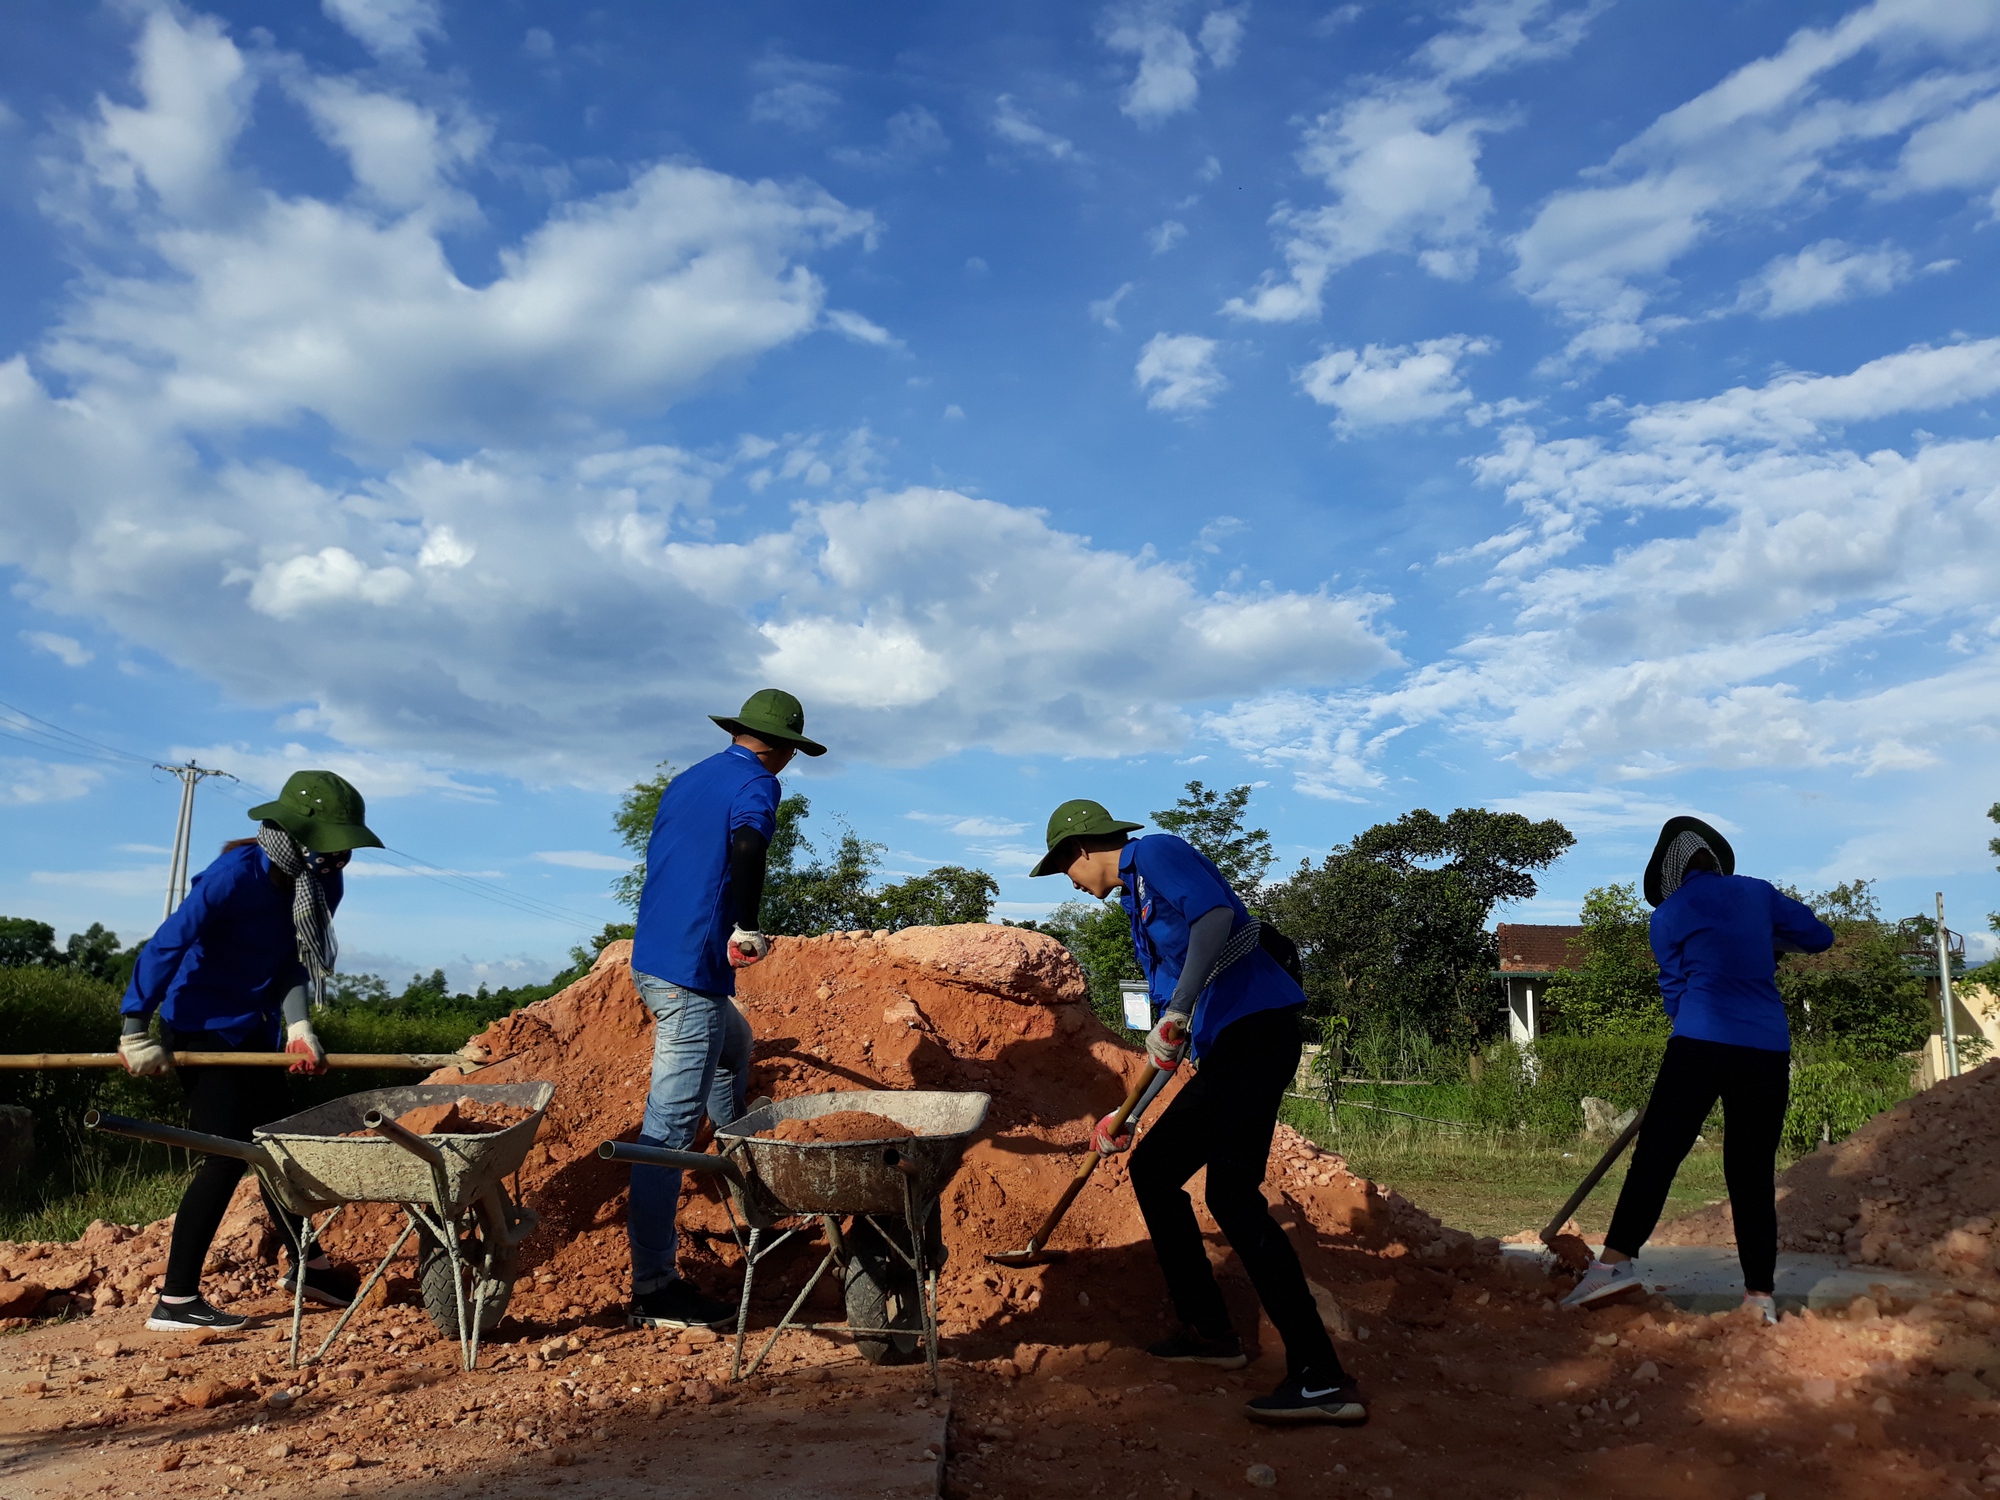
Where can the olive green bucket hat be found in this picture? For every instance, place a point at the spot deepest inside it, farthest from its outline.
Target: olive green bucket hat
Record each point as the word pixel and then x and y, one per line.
pixel 1080 818
pixel 775 717
pixel 322 811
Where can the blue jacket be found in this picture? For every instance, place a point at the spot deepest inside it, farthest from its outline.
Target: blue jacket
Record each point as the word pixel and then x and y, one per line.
pixel 1715 938
pixel 1168 884
pixel 684 911
pixel 228 956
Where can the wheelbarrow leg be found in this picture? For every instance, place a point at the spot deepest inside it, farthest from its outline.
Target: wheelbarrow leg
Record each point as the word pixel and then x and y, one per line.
pixel 309 1235
pixel 790 1313
pixel 743 1306
pixel 366 1287
pixel 926 1280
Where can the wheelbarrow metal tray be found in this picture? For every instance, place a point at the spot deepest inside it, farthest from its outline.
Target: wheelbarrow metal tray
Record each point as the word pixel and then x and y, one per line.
pixel 323 1164
pixel 851 1177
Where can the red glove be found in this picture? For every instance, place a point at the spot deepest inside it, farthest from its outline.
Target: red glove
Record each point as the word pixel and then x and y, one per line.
pixel 1104 1143
pixel 747 947
pixel 299 1039
pixel 1167 1042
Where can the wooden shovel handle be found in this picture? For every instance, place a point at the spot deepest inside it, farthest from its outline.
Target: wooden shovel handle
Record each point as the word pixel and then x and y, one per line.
pixel 1611 1154
pixel 1133 1095
pixel 420 1061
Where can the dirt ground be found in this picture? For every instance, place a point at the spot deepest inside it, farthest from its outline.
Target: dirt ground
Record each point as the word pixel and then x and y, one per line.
pixel 1477 1383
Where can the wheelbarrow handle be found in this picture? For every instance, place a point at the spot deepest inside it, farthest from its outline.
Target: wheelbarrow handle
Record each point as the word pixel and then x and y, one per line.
pixel 662 1156
pixel 391 1129
pixel 188 1140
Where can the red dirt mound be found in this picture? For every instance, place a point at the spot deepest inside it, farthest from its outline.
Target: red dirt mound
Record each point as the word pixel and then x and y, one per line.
pixel 841 1125
pixel 1916 1188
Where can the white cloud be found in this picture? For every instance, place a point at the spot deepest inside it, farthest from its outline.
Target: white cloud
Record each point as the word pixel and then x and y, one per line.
pixel 333 575
pixel 1959 151
pixel 1105 309
pixel 913 136
pixel 584 859
pixel 1742 631
pixel 28 783
pixel 1177 371
pixel 401 154
pixel 974 826
pixel 394 30
pixel 1012 124
pixel 1401 160
pixel 1383 387
pixel 852 325
pixel 1822 275
pixel 1163 237
pixel 1776 132
pixel 378 775
pixel 64 648
pixel 797 94
pixel 1221 35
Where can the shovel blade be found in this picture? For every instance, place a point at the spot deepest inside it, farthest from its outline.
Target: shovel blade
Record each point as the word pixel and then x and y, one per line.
pixel 1030 1257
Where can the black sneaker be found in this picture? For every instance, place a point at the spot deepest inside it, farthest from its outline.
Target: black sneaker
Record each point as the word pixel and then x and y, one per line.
pixel 1191 1348
pixel 1311 1398
pixel 190 1317
pixel 679 1304
pixel 329 1286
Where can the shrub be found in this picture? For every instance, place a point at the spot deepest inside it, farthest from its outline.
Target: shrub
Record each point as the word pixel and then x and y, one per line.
pixel 1542 1085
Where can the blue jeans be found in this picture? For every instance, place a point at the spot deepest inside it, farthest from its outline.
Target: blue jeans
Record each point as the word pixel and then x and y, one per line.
pixel 701 1062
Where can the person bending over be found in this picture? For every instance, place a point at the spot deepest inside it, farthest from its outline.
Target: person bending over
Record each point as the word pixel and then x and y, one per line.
pixel 1716 935
pixel 698 923
pixel 1219 998
pixel 230 967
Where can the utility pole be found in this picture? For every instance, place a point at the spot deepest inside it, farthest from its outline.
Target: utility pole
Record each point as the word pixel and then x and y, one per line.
pixel 1944 991
pixel 189 776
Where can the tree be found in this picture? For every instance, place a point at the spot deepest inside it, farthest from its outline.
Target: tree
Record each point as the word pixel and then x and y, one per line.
pixel 1213 822
pixel 1098 935
pixel 938 898
pixel 1860 994
pixel 26 943
pixel 1614 987
pixel 633 823
pixel 1391 926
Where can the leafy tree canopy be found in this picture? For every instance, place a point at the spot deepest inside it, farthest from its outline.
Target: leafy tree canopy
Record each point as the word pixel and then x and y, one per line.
pixel 1212 821
pixel 1860 995
pixel 94 952
pixel 1614 986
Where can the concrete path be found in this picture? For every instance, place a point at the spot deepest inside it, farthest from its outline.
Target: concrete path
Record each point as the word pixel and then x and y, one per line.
pixel 1706 1278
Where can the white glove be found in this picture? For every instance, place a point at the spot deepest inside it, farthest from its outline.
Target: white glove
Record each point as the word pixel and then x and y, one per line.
pixel 143 1055
pixel 1167 1041
pixel 300 1038
pixel 747 947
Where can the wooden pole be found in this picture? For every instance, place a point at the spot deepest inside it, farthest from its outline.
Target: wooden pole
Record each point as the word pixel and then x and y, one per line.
pixel 416 1061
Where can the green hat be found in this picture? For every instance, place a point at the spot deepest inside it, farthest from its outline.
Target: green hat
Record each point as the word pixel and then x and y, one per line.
pixel 775 717
pixel 322 811
pixel 1078 819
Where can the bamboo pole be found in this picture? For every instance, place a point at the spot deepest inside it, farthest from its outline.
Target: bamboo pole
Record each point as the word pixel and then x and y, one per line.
pixel 415 1061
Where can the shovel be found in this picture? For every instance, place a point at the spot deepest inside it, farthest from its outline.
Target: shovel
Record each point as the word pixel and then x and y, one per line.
pixel 424 1062
pixel 1569 1249
pixel 1035 1253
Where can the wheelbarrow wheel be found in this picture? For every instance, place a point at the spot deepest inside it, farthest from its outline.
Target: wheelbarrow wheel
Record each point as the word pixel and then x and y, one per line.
pixel 882 1292
pixel 435 1274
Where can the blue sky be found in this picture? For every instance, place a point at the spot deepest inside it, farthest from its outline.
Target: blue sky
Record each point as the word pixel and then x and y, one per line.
pixel 1583 409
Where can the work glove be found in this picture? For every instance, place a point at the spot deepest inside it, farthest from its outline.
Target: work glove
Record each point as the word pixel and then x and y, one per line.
pixel 747 947
pixel 143 1054
pixel 1167 1041
pixel 1104 1143
pixel 299 1039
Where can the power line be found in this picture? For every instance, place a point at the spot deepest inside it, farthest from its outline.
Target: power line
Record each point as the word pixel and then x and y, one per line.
pixel 83 744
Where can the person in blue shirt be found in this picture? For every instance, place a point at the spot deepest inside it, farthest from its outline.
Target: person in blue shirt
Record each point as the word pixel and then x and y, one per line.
pixel 698 923
pixel 230 966
pixel 1716 935
pixel 1221 998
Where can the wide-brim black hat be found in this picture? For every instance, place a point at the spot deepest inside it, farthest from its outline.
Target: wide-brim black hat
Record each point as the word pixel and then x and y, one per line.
pixel 1673 829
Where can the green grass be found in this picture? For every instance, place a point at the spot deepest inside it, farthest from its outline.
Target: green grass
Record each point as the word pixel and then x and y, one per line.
pixel 123 1192
pixel 1491 1181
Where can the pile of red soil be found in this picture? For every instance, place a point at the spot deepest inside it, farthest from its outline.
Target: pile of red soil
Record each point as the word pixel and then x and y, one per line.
pixel 462 1116
pixel 840 1125
pixel 1916 1188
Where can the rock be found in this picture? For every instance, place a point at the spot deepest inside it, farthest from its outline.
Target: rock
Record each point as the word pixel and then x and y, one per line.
pixel 109 1348
pixel 66 1276
pixel 698 1393
pixel 119 1393
pixel 335 1462
pixel 1602 1117
pixel 1820 1392
pixel 1966 1386
pixel 21 1299
pixel 204 1395
pixel 1261 1475
pixel 169 1461
pixel 279 1399
pixel 1646 1371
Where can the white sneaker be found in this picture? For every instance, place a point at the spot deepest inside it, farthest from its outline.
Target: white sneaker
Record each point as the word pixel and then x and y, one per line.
pixel 1604 1280
pixel 1765 1303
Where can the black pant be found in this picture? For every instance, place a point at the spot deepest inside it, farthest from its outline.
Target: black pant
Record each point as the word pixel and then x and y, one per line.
pixel 228 1102
pixel 1222 1119
pixel 1755 1086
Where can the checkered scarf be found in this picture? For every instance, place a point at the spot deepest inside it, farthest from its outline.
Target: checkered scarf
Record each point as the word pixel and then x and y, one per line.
pixel 312 920
pixel 1673 864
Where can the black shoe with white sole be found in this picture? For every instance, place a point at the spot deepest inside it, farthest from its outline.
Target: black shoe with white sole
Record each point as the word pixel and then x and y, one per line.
pixel 1190 1347
pixel 329 1286
pixel 191 1316
pixel 1311 1398
pixel 679 1304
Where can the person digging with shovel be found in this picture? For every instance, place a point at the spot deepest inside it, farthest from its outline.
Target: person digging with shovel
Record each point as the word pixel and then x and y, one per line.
pixel 698 923
pixel 1222 1000
pixel 224 973
pixel 1716 935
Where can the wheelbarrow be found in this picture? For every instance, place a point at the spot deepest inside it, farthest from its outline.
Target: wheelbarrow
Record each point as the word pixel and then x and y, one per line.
pixel 888 1270
pixel 450 1187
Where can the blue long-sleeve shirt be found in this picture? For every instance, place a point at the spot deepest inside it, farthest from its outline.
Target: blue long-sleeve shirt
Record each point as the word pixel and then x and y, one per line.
pixel 1716 939
pixel 227 957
